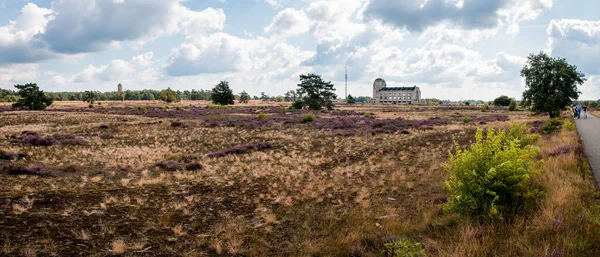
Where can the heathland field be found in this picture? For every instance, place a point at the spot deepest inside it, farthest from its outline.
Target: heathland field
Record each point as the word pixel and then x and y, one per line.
pixel 191 179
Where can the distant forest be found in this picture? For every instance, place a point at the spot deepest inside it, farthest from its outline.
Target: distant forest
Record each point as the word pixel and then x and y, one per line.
pixel 149 94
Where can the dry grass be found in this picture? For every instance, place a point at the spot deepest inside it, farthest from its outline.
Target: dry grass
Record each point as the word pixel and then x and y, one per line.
pixel 313 193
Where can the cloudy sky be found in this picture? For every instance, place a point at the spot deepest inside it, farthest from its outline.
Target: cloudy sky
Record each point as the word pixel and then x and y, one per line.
pixel 451 49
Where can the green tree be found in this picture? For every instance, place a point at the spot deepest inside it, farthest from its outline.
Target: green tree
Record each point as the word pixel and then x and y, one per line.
pixel 551 84
pixel 222 94
pixel 32 97
pixel 350 99
pixel 264 97
pixel 244 97
pixel 502 101
pixel 168 95
pixel 89 96
pixel 316 92
pixel 512 106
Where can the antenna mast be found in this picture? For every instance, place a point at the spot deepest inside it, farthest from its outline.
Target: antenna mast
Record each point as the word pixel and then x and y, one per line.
pixel 346 93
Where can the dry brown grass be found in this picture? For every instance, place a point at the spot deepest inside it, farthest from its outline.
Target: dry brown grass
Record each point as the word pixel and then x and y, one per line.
pixel 313 194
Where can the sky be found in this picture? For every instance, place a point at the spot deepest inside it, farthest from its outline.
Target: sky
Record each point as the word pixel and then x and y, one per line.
pixel 451 49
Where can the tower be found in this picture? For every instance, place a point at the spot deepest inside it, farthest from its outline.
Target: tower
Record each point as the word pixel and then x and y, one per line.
pixel 346 92
pixel 378 85
pixel 120 92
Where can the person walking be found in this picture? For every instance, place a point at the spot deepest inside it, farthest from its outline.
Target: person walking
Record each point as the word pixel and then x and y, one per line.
pixel 579 108
pixel 585 111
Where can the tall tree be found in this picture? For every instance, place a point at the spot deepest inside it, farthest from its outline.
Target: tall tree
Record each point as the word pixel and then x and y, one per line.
pixel 244 97
pixel 222 94
pixel 89 96
pixel 551 84
pixel 502 101
pixel 316 92
pixel 350 99
pixel 168 95
pixel 32 97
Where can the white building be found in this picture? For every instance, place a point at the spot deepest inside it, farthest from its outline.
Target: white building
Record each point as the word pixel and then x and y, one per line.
pixel 395 95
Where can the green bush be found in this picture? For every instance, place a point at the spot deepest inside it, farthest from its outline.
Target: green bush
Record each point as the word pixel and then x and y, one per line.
pixel 262 116
pixel 291 108
pixel 512 106
pixel 143 108
pixel 485 108
pixel 90 105
pixel 404 248
pixel 492 180
pixel 309 117
pixel 179 108
pixel 212 106
pixel 552 126
pixel 466 119
pixel 298 105
pixel 367 115
pixel 518 131
pixel 570 126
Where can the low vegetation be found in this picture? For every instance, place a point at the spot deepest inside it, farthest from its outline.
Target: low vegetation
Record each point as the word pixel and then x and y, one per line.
pixel 222 181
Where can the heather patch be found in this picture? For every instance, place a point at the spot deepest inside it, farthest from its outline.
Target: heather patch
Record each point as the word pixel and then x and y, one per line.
pixel 22 169
pixel 4 155
pixel 240 149
pixel 565 149
pixel 32 138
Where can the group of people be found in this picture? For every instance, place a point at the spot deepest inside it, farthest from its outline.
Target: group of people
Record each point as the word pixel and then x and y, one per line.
pixel 577 111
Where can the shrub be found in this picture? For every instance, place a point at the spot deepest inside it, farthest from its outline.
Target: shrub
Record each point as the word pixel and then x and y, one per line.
pixel 404 248
pixel 519 132
pixel 212 106
pixel 90 106
pixel 143 108
pixel 309 117
pixel 298 105
pixel 570 126
pixel 466 119
pixel 104 126
pixel 367 115
pixel 262 116
pixel 485 108
pixel 99 103
pixel 291 108
pixel 492 180
pixel 552 126
pixel 512 106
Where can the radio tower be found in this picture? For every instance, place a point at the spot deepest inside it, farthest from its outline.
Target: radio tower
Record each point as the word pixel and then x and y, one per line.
pixel 346 92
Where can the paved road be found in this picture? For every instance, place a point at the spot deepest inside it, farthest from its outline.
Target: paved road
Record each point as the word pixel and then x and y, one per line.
pixel 589 130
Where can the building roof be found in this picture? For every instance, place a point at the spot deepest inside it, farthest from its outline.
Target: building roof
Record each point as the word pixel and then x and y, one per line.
pixel 398 88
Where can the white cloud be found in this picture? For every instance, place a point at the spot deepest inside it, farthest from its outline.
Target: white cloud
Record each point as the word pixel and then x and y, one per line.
pixel 274 3
pixel 578 41
pixel 143 59
pixel 84 26
pixel 289 22
pixel 18 74
pixel 17 44
pixel 116 70
pixel 221 52
pixel 420 15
